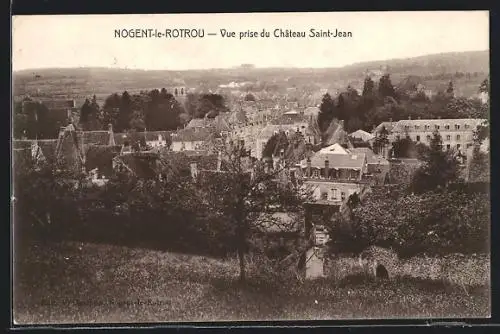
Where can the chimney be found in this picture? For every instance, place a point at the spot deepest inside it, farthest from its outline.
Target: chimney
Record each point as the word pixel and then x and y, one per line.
pixel 327 168
pixel 308 170
pixel 409 117
pixel 194 170
pixel 390 120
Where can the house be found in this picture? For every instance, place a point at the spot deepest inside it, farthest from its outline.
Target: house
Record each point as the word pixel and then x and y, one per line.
pixel 191 139
pixel 377 166
pixel 362 136
pixel 456 133
pixel 334 175
pixel 270 130
pixel 152 139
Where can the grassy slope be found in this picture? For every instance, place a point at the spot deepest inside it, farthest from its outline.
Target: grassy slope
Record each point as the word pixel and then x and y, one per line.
pixel 82 283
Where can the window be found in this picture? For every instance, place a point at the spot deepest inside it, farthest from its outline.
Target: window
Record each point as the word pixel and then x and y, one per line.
pixel 342 195
pixel 469 145
pixel 457 127
pixel 447 126
pixel 418 138
pixel 458 137
pixel 428 137
pixel 427 127
pixel 324 196
pixel 448 146
pixel 436 127
pixel 316 173
pixel 417 127
pixel 448 137
pixel 467 126
pixel 334 193
pixel 458 146
pixel 407 127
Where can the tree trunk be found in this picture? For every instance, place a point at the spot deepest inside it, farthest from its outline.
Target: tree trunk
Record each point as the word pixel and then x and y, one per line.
pixel 241 257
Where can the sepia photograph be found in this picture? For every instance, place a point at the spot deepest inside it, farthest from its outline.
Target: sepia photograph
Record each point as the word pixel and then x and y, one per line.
pixel 173 168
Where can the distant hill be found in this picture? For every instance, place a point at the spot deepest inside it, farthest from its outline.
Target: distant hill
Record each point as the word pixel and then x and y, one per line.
pixel 78 83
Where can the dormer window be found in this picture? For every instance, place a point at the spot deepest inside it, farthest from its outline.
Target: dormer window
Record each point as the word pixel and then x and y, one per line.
pixel 316 173
pixel 457 126
pixel 467 126
pixel 417 127
pixel 436 127
pixel 447 126
pixel 427 127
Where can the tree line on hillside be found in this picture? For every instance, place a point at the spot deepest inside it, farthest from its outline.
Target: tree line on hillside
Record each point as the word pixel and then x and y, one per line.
pixel 155 110
pixel 383 102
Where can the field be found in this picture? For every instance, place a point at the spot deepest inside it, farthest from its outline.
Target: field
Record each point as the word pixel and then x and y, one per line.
pixel 91 283
pixel 81 83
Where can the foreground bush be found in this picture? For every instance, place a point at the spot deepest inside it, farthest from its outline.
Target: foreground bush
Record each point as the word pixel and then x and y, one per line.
pixel 450 220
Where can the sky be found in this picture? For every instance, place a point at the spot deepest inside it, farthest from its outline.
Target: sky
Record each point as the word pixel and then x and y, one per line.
pixel 89 41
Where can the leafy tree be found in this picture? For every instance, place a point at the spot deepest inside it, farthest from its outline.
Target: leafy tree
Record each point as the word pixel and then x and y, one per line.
pixel 241 194
pixel 434 223
pixel 450 90
pixel 439 167
pixel 125 112
pixel 385 87
pixel 327 112
pixel 276 143
pixel 89 115
pixel 368 87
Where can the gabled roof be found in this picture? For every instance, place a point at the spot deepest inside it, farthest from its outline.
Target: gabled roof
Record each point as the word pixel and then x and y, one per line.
pixel 142 165
pixel 371 157
pixel 336 161
pixel 101 157
pixel 94 137
pixel 334 149
pixel 337 134
pixel 361 134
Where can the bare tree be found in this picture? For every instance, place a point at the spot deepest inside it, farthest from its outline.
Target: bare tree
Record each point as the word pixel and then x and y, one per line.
pixel 245 194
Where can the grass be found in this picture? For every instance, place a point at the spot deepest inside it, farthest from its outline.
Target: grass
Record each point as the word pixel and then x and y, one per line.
pixel 90 283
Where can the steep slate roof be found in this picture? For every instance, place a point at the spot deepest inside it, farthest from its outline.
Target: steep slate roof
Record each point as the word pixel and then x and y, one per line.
pixel 351 161
pixel 94 137
pixel 142 165
pixel 101 157
pixel 334 149
pixel 337 134
pixel 371 157
pixel 361 134
pixel 47 146
pixel 388 126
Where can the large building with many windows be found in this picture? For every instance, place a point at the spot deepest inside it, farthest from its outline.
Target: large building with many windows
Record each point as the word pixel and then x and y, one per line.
pixel 456 133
